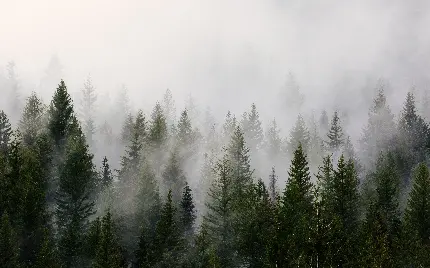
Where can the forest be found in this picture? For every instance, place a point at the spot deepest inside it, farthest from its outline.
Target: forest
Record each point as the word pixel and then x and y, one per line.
pixel 181 192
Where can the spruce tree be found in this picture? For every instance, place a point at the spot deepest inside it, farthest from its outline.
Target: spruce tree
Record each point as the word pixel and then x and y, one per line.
pixel 187 212
pixel 93 238
pixel 417 217
pixel 273 192
pixel 74 202
pixel 299 135
pixel 167 237
pixel 108 254
pixel 173 177
pixel 5 132
pixel 47 255
pixel 229 126
pixel 33 119
pixel 251 126
pixel 297 214
pixel 60 115
pixel 335 134
pixel 106 174
pixel 273 141
pixel 219 215
pixel 158 128
pixel 9 251
pixel 87 110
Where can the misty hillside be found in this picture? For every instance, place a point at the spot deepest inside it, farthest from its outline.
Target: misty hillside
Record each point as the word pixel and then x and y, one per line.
pixel 214 134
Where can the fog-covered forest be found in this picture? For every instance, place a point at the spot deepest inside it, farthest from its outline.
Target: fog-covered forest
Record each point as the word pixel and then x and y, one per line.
pixel 214 135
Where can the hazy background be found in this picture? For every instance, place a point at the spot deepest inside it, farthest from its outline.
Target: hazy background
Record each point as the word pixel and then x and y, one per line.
pixel 226 53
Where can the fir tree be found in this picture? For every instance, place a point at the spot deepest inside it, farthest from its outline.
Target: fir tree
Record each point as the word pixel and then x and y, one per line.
pixel 169 109
pixel 47 255
pixel 297 214
pixel 273 142
pixel 9 251
pixel 106 174
pixel 335 134
pixel 167 236
pixel 251 126
pixel 188 212
pixel 32 121
pixel 219 216
pixel 14 88
pixel 108 254
pixel 158 129
pixel 88 99
pixel 93 238
pixel 299 135
pixel 5 132
pixel 273 192
pixel 60 115
pixel 74 203
pixel 229 126
pixel 173 176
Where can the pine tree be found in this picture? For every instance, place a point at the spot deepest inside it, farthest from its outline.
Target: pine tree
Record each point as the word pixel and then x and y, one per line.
pixel 273 141
pixel 88 99
pixel 219 216
pixel 167 237
pixel 108 251
pixel 417 216
pixel 297 214
pixel 106 174
pixel 5 132
pixel 335 134
pixel 229 126
pixel 169 109
pixel 294 98
pixel 185 135
pixel 33 119
pixel 9 251
pixel 299 135
pixel 47 255
pixel 127 130
pixel 74 202
pixel 340 207
pixel 379 130
pixel 60 115
pixel 349 153
pixel 251 126
pixel 188 212
pixel 273 192
pixel 93 238
pixel 382 224
pixel 173 176
pixel 158 129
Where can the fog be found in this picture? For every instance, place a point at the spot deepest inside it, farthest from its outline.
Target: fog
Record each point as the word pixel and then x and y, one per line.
pixel 214 49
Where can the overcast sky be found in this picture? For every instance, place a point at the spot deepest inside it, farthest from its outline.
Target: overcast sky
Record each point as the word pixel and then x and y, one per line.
pixel 222 50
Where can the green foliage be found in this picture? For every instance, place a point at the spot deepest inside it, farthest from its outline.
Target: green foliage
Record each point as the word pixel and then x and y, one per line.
pixel 187 212
pixel 299 135
pixel 158 129
pixel 251 126
pixel 9 251
pixel 335 134
pixel 297 214
pixel 32 122
pixel 173 176
pixel 47 256
pixel 60 115
pixel 5 132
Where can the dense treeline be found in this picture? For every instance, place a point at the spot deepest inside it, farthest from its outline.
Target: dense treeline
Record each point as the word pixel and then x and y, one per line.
pixel 186 195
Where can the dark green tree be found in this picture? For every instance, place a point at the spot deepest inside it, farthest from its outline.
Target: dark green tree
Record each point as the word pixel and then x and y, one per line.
pixel 297 214
pixel 109 254
pixel 158 128
pixel 93 238
pixel 5 132
pixel 173 177
pixel 187 212
pixel 335 134
pixel 9 251
pixel 47 255
pixel 74 199
pixel 60 115
pixel 32 120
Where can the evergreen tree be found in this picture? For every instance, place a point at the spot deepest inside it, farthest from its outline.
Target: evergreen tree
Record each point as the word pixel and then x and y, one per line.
pixel 188 212
pixel 167 237
pixel 349 153
pixel 229 126
pixel 251 126
pixel 47 255
pixel 185 135
pixel 324 123
pixel 108 251
pixel 417 217
pixel 9 251
pixel 299 135
pixel 13 95
pixel 379 130
pixel 382 225
pixel 219 216
pixel 93 238
pixel 60 115
pixel 273 141
pixel 88 99
pixel 127 130
pixel 335 134
pixel 5 132
pixel 297 214
pixel 340 207
pixel 32 121
pixel 106 174
pixel 173 177
pixel 273 192
pixel 74 202
pixel 158 129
